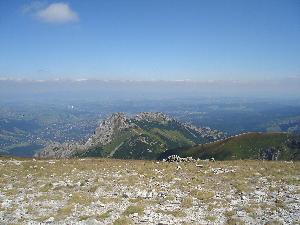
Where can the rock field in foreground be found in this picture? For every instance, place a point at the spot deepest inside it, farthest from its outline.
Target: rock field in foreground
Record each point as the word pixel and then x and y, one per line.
pixel 103 191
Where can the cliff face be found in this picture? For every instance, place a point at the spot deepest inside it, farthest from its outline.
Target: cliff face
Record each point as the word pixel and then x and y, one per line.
pixel 143 136
pixel 107 129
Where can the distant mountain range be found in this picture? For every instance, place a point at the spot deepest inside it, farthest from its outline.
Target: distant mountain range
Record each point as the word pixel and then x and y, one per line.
pixel 144 136
pixel 81 88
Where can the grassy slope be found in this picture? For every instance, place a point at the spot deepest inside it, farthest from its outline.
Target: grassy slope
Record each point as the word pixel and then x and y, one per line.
pixel 246 146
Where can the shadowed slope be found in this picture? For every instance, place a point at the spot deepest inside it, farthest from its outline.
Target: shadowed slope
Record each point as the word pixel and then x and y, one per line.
pixel 270 146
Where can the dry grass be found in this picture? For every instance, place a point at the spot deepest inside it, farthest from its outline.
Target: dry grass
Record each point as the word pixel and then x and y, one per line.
pixel 46 187
pixel 123 221
pixel 139 209
pixel 202 195
pixel 64 212
pixel 104 215
pixel 234 221
pixel 80 198
pixel 187 202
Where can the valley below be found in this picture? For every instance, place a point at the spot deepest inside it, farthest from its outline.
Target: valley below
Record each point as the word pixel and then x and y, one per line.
pixel 115 191
pixel 78 163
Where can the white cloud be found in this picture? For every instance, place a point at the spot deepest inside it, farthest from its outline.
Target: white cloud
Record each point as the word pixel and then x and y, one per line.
pixel 57 13
pixel 54 13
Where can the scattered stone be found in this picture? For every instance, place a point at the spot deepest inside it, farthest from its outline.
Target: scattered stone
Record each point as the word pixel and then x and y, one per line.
pixel 50 220
pixel 148 193
pixel 222 170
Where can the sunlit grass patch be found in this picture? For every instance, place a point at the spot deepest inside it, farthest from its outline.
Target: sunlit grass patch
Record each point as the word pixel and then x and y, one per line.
pixel 108 200
pixel 234 221
pixel 80 198
pixel 211 218
pixel 46 187
pixel 64 212
pixel 187 202
pixel 135 200
pixel 123 221
pixel 139 209
pixel 104 215
pixel 84 217
pixel 241 186
pixel 202 195
pixel 11 192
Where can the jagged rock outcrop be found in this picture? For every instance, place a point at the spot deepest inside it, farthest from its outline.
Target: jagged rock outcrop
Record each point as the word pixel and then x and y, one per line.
pixel 153 116
pixel 105 131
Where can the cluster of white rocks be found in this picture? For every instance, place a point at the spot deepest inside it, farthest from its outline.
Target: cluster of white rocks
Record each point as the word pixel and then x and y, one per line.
pixel 176 158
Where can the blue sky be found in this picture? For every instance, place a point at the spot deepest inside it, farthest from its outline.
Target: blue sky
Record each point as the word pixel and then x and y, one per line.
pixel 150 39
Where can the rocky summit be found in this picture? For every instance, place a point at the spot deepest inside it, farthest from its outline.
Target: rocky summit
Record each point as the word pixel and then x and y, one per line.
pixel 143 136
pixel 122 192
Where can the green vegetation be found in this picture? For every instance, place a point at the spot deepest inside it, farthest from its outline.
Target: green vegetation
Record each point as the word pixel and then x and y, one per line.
pixel 123 221
pixel 80 198
pixel 139 209
pixel 271 146
pixel 104 216
pixel 202 195
pixel 187 202
pixel 146 140
pixel 211 218
pixel 64 212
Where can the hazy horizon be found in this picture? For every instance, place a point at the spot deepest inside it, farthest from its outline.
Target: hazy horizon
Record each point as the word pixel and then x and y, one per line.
pixel 96 89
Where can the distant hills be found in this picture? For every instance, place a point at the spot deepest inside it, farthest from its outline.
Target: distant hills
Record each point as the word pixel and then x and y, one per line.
pixel 269 146
pixel 144 136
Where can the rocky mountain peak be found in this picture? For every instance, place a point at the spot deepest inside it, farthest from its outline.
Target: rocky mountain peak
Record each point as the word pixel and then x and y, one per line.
pixel 152 116
pixel 115 121
pixel 105 131
pixel 144 135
